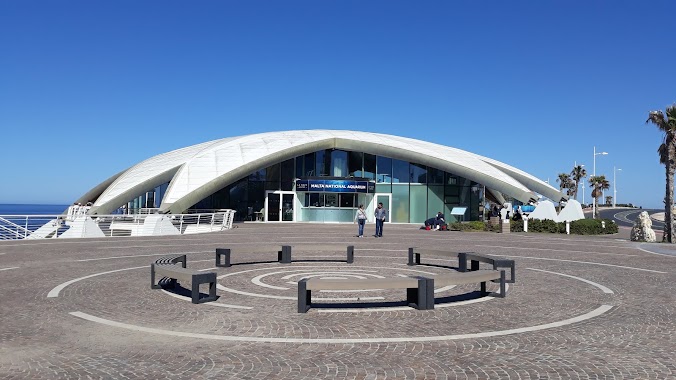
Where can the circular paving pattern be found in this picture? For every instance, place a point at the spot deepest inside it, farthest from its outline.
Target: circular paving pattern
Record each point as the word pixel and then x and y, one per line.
pixel 581 307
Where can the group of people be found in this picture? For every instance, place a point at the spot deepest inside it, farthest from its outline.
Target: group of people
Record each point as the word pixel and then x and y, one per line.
pixel 380 216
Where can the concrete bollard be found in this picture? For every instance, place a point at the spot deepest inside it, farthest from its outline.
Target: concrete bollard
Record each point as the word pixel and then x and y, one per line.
pixel 567 228
pixel 525 225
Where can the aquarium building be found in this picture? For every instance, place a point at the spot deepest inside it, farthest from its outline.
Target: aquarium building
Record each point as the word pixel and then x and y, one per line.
pixel 316 176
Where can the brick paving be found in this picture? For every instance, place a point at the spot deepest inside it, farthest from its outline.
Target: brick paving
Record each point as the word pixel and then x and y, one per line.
pixel 634 339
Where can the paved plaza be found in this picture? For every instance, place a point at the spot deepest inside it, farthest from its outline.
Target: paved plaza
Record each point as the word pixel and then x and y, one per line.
pixel 582 308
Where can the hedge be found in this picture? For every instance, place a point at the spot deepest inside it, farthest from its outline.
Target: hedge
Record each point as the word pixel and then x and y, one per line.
pixel 578 227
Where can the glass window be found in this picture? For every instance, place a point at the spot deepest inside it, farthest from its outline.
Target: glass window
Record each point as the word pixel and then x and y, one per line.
pixel 384 170
pixel 322 161
pixel 400 171
pixel 384 188
pixel 435 200
pixel 451 179
pixel 400 204
pixel 338 163
pixel 452 194
pixel 287 174
pixel 435 176
pixel 315 200
pixel 347 200
pixel 331 200
pixel 299 167
pixel 272 174
pixel 354 164
pixel 369 166
pixel 258 175
pixel 309 166
pixel 418 173
pixel 418 200
pixel 256 195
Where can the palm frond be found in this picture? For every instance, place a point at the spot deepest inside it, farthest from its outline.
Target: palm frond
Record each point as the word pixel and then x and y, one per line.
pixel 657 118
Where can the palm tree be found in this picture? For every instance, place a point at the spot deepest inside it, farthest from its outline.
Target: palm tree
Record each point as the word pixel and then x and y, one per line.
pixel 598 184
pixel 564 183
pixel 576 175
pixel 667 153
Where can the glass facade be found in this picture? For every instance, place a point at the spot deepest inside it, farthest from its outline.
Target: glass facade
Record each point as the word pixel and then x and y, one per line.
pixel 417 192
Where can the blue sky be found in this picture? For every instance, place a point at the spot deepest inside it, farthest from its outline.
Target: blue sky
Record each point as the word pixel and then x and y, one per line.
pixel 89 88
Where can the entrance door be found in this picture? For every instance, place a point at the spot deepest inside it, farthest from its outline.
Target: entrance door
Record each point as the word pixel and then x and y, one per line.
pixel 279 206
pixel 386 200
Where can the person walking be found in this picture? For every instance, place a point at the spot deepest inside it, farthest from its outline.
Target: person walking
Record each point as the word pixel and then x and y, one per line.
pixel 360 218
pixel 381 215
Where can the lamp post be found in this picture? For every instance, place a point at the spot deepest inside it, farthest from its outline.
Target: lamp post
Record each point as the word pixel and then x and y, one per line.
pixel 594 201
pixel 615 186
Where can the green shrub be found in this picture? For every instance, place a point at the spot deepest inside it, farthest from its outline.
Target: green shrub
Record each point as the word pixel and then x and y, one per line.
pixel 477 225
pixel 516 225
pixel 471 226
pixel 593 227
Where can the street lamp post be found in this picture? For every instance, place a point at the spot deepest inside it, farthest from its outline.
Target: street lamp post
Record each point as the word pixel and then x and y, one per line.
pixel 594 201
pixel 615 186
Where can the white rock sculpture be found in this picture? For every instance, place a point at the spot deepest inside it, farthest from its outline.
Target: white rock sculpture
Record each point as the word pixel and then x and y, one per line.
pixel 642 230
pixel 572 212
pixel 544 210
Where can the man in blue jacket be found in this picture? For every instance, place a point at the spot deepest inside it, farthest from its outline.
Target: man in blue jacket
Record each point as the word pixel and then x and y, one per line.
pixel 381 215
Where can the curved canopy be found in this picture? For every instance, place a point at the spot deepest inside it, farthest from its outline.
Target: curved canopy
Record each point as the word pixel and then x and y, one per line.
pixel 200 170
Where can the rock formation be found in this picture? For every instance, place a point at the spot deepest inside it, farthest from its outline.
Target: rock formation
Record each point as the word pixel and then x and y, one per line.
pixel 642 230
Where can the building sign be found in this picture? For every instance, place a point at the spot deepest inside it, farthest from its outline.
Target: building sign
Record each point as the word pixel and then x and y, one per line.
pixel 335 186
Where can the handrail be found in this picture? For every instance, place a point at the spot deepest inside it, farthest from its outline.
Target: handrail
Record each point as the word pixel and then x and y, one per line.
pixel 83 225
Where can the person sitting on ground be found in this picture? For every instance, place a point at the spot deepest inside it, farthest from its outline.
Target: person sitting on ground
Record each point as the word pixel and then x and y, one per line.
pixel 430 222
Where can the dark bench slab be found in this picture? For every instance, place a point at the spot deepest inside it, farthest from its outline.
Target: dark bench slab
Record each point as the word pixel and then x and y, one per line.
pixel 497 262
pixel 223 255
pixel 418 293
pixel 178 273
pixel 462 278
pixel 414 254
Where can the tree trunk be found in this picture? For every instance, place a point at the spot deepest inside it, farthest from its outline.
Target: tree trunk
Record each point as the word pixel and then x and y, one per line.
pixel 669 197
pixel 596 202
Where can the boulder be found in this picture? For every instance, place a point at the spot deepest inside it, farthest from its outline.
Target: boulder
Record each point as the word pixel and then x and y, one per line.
pixel 642 230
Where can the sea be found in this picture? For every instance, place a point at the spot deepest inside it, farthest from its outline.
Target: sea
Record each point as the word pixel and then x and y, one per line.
pixel 31 209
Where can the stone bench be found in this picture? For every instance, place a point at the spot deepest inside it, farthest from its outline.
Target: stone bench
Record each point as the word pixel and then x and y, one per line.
pixel 176 272
pixel 223 255
pixel 419 294
pixel 463 278
pixel 497 262
pixel 172 259
pixel 414 254
pixel 349 250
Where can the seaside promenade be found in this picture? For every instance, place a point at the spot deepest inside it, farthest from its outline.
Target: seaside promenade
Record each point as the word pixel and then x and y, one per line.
pixel 582 307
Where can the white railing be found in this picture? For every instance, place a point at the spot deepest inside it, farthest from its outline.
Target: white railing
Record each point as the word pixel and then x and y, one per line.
pixel 72 225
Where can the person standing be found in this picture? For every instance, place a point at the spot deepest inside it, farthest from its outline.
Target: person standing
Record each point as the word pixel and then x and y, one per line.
pixel 381 215
pixel 360 218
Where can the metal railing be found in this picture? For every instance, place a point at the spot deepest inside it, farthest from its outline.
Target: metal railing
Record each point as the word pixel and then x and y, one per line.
pixel 16 227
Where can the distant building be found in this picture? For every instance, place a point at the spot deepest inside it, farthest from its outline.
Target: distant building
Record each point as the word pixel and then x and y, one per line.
pixel 316 176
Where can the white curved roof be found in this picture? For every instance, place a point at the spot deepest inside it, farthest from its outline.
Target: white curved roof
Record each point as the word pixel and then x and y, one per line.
pixel 200 170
